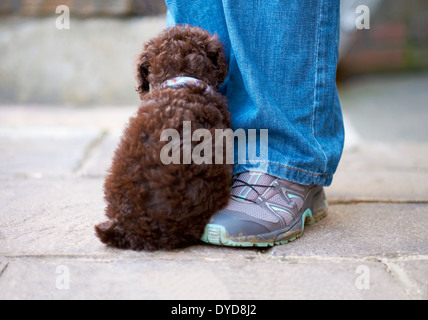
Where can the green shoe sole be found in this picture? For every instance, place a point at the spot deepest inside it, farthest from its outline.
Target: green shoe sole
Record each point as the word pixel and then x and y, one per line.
pixel 217 235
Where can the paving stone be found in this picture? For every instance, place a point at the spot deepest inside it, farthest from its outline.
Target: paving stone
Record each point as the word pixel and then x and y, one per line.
pixel 379 185
pixel 364 230
pixel 102 118
pixel 388 109
pixel 42 152
pixel 3 266
pixel 398 156
pixel 382 171
pixel 197 280
pixel 49 216
pixel 57 217
pixel 100 159
pixel 414 274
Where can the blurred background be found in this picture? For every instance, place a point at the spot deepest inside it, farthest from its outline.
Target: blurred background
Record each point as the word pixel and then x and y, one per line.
pixel 93 62
pixel 90 64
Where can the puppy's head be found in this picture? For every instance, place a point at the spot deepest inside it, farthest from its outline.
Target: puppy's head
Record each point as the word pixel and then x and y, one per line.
pixel 181 51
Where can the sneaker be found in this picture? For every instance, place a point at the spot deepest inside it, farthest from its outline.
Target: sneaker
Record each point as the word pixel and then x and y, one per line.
pixel 265 211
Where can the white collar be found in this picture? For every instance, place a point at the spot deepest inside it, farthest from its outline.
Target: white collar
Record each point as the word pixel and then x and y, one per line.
pixel 187 81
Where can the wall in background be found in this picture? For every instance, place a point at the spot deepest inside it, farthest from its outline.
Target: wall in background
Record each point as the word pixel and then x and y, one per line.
pixel 93 63
pixel 83 8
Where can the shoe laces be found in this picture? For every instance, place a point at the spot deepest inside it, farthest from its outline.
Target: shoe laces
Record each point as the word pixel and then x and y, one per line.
pixel 238 183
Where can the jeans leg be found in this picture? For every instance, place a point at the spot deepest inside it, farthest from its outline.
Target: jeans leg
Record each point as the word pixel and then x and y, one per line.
pixel 283 59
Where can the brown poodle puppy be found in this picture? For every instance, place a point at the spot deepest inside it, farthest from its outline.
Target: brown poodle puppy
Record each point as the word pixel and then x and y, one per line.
pixel 150 205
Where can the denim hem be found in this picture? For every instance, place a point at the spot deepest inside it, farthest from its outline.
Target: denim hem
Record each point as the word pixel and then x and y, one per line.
pixel 287 173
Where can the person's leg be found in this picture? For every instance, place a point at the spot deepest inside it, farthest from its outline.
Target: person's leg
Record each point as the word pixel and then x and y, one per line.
pixel 282 69
pixel 283 60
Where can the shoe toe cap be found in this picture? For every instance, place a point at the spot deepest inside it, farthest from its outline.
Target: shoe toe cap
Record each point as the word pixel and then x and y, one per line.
pixel 237 224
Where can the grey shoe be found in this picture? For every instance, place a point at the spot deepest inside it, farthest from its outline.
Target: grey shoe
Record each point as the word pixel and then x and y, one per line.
pixel 265 211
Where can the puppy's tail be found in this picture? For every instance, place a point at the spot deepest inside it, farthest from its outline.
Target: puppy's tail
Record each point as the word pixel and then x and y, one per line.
pixel 112 234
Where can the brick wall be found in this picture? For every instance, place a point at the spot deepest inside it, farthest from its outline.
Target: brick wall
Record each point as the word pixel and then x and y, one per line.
pixel 396 41
pixel 83 8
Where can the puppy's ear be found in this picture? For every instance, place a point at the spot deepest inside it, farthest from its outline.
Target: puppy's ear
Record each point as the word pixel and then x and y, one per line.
pixel 215 52
pixel 142 74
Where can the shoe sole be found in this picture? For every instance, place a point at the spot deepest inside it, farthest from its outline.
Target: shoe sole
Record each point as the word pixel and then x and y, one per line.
pixel 217 235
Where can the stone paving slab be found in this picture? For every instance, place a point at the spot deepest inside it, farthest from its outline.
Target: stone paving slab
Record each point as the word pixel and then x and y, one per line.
pixel 398 156
pixel 100 158
pixel 365 230
pixel 59 218
pixel 3 266
pixel 48 142
pixel 49 152
pixel 49 216
pixel 199 280
pixel 103 118
pixel 360 176
pixel 413 274
pixel 369 171
pixel 417 270
pixel 378 186
pixel 388 108
pixel 384 172
pixel 42 151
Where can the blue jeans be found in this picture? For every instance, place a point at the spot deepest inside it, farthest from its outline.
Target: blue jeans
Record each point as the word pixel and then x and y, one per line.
pixel 283 58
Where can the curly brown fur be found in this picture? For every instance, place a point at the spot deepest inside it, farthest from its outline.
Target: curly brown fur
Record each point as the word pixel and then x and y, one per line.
pixel 150 205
